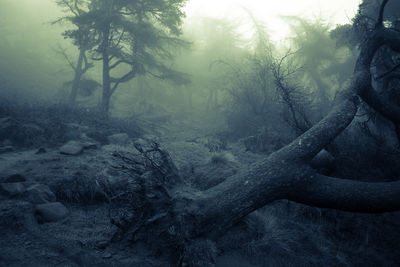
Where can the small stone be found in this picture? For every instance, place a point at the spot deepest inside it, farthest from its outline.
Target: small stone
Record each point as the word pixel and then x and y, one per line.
pixel 89 145
pixel 15 178
pixel 50 212
pixel 118 139
pixel 12 189
pixel 40 194
pixel 107 255
pixel 71 148
pixel 102 244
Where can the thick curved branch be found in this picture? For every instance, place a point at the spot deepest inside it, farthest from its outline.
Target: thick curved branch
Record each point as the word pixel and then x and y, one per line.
pixel 391 38
pixel 387 73
pixel 307 145
pixel 220 207
pixel 311 142
pixel 389 110
pixel 379 22
pixel 125 78
pixel 349 195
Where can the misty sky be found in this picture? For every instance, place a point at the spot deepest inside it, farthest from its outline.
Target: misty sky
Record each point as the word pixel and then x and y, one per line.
pixel 271 11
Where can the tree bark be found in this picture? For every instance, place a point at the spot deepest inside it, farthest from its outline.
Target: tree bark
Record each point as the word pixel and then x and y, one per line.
pixel 105 100
pixel 77 78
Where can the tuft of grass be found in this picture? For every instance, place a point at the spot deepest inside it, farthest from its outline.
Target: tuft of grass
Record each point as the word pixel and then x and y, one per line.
pixel 200 252
pixel 80 189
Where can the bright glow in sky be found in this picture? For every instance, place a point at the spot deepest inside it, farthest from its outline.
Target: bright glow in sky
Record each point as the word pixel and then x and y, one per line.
pixel 271 11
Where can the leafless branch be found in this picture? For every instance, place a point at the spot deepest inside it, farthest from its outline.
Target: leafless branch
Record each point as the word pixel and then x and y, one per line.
pixel 379 22
pixel 62 51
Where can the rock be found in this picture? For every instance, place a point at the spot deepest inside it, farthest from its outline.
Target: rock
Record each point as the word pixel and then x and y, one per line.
pixel 151 138
pixel 87 142
pixel 102 244
pixel 41 151
pixel 15 178
pixel 75 130
pixel 84 137
pixel 118 139
pixel 50 212
pixel 6 149
pixel 107 255
pixel 39 194
pixel 12 189
pixel 90 145
pixel 141 144
pixel 99 135
pixel 71 148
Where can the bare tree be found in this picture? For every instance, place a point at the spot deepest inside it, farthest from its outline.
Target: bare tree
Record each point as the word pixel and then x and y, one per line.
pixel 79 68
pixel 290 94
pixel 82 38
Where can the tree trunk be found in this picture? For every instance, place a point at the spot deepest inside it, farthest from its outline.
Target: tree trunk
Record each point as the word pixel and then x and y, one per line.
pixel 77 78
pixel 175 216
pixel 105 100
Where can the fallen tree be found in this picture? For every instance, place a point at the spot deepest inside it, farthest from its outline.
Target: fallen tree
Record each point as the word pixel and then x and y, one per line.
pixel 173 215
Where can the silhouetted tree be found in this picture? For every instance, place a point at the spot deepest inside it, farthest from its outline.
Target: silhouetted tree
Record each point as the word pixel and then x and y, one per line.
pixel 134 38
pixel 81 36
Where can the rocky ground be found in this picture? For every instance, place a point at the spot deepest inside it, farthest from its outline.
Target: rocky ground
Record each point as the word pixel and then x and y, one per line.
pixel 56 204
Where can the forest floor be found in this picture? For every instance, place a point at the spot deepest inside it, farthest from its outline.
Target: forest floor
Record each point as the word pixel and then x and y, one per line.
pixel 281 234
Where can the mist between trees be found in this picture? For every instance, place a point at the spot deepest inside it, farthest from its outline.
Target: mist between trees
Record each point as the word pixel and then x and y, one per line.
pixel 106 85
pixel 55 56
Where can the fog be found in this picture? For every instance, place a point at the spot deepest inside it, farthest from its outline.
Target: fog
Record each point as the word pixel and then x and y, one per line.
pixel 33 67
pixel 199 133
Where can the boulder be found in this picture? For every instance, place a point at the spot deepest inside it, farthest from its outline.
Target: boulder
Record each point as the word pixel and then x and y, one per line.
pixel 12 189
pixel 40 194
pixel 71 148
pixel 118 139
pixel 50 212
